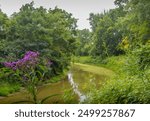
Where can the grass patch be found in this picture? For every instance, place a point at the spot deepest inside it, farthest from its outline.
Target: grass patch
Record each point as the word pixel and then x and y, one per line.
pixel 6 89
pixel 114 63
pixel 95 69
pixel 83 59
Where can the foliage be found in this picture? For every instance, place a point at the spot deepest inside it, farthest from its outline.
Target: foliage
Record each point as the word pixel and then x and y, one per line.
pixel 4 22
pixel 143 55
pixel 118 30
pixel 7 88
pixel 26 70
pixel 106 34
pixel 84 42
pixel 131 85
pixel 119 40
pixel 51 33
pixel 58 77
pixel 28 61
pixel 69 97
pixel 135 24
pixel 125 91
pixel 8 75
pixel 127 34
pixel 42 30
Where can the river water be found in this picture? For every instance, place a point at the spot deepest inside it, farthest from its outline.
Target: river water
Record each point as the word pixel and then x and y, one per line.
pixel 73 89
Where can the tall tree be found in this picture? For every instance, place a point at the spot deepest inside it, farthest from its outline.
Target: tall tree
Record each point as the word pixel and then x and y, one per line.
pixel 106 35
pixel 84 42
pixel 51 32
pixel 4 23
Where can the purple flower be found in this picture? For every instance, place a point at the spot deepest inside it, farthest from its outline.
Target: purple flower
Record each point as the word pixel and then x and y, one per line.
pixel 49 63
pixel 10 65
pixel 30 59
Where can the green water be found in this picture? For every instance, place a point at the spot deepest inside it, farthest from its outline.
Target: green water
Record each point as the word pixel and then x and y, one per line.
pixel 43 91
pixel 83 80
pixel 87 80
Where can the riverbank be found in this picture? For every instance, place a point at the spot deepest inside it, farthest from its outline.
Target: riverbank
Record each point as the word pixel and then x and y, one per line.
pixel 7 89
pixel 95 69
pixel 114 63
pixel 129 86
pixel 44 91
pixel 84 76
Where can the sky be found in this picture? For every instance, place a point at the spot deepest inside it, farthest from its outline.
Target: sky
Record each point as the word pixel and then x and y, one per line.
pixel 79 8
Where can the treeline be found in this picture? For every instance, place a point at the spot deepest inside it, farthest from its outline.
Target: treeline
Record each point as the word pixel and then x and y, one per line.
pixel 121 37
pixel 49 32
pixel 118 31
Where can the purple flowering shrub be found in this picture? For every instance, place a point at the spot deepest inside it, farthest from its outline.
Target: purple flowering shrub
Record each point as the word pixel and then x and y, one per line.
pixel 29 60
pixel 26 71
pixel 20 71
pixel 31 71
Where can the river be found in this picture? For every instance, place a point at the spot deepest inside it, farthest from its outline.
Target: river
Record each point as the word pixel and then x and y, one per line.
pixel 73 89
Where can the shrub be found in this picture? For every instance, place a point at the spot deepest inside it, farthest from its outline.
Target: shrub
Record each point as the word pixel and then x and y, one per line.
pixel 132 85
pixel 126 91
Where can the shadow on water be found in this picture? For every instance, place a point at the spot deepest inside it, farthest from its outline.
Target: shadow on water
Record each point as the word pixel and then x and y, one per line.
pixel 80 82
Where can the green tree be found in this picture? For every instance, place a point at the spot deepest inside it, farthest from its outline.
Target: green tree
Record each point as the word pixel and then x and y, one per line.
pixel 107 36
pixel 84 42
pixel 4 23
pixel 50 32
pixel 136 22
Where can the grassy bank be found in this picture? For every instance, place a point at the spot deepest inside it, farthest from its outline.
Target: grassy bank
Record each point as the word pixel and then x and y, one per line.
pixel 7 88
pixel 129 86
pixel 95 69
pixel 114 63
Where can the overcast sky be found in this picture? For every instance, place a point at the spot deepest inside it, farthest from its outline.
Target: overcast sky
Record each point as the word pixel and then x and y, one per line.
pixel 79 8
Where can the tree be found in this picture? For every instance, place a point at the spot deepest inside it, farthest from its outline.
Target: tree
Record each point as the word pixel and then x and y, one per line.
pixel 136 22
pixel 4 23
pixel 50 32
pixel 84 42
pixel 107 36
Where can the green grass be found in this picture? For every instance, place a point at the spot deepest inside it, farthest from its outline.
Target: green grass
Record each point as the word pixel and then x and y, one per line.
pixel 83 59
pixel 114 63
pixel 6 89
pixel 95 69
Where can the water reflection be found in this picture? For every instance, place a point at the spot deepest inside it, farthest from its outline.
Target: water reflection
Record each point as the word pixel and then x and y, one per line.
pixel 74 85
pixel 85 81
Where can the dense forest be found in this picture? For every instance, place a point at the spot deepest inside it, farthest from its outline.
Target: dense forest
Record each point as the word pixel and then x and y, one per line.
pixel 39 46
